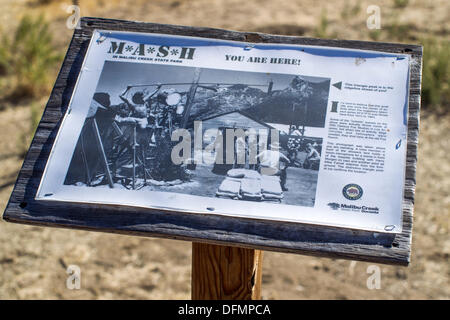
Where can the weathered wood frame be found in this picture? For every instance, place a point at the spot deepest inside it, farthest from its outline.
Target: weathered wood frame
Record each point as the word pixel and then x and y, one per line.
pixel 214 229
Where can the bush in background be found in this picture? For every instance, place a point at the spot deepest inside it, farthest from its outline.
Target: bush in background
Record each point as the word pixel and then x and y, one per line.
pixel 436 75
pixel 27 57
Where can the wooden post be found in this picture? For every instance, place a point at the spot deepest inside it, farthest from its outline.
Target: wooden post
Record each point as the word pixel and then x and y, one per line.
pixel 225 273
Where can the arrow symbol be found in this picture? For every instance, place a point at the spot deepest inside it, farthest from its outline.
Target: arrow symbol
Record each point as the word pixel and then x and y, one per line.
pixel 338 85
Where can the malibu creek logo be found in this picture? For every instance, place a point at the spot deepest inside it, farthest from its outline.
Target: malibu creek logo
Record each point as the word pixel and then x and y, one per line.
pixel 334 205
pixel 352 191
pixel 143 50
pixel 351 207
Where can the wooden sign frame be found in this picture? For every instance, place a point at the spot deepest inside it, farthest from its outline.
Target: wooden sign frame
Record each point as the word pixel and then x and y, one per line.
pixel 213 229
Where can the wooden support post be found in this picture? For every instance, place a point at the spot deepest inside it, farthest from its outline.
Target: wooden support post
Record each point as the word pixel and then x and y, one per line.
pixel 225 273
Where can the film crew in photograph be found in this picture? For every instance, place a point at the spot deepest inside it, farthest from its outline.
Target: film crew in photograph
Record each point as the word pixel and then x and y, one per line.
pixel 135 140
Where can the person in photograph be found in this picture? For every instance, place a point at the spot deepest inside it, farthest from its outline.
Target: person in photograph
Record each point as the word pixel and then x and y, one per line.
pixel 293 146
pixel 274 162
pixel 241 152
pixel 139 103
pixel 312 158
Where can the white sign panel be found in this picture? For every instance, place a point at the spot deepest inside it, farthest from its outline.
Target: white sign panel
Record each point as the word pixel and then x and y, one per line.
pixel 266 131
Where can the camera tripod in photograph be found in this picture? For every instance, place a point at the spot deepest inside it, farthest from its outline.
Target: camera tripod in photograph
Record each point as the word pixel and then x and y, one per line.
pixel 130 156
pixel 118 154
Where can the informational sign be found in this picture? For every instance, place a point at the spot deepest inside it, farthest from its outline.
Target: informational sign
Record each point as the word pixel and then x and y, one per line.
pixel 280 132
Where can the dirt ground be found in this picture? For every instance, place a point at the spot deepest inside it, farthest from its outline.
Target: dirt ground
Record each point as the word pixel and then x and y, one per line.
pixel 33 260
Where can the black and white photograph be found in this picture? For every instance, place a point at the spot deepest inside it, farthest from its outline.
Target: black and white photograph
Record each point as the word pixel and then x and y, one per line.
pixel 130 134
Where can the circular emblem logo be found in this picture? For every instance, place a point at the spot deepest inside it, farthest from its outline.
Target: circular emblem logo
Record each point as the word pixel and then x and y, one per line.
pixel 352 191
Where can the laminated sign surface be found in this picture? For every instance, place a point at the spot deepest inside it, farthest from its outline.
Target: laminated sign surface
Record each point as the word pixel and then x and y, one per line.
pixel 279 132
